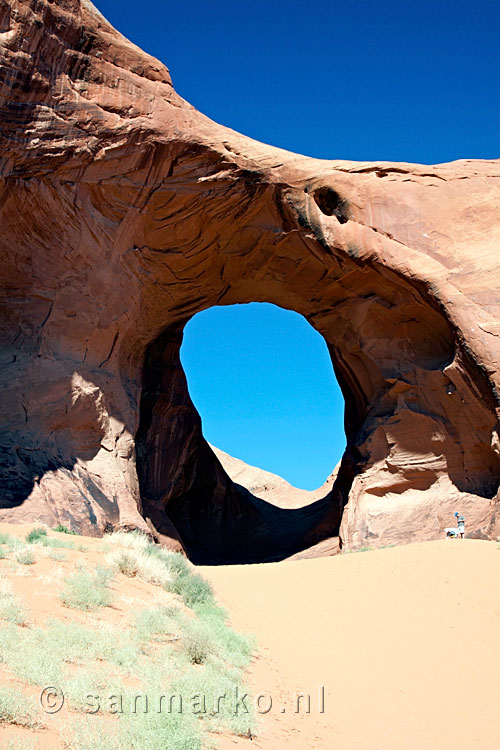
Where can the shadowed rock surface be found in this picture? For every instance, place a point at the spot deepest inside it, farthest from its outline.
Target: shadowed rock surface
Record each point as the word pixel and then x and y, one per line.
pixel 124 212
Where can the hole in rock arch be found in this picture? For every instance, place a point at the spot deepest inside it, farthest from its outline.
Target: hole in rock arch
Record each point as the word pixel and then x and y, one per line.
pixel 262 381
pixel 222 513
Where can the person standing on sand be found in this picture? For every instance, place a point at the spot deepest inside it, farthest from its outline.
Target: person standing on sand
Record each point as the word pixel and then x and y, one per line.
pixel 460 525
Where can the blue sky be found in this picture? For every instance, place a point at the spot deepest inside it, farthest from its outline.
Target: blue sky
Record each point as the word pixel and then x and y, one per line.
pixel 263 382
pixel 400 81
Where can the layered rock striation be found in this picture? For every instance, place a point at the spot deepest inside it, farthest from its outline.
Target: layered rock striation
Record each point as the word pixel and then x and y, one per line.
pixel 124 212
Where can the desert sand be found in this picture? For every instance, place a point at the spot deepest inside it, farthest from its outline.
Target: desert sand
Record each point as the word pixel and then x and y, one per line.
pixel 404 641
pixel 397 647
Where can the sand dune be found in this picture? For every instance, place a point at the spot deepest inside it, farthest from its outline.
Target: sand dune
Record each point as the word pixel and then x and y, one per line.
pixel 404 641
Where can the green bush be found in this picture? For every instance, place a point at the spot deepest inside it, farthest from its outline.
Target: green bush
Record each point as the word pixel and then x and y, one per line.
pixel 174 561
pixel 88 681
pixel 37 536
pixel 5 538
pixel 87 591
pixel 193 589
pixel 64 529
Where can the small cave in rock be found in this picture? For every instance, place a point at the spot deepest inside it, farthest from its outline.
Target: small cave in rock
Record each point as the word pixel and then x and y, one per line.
pixel 330 203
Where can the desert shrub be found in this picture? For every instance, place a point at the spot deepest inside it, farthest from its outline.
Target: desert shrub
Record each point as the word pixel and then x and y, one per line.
pixel 135 540
pixel 161 621
pixel 19 744
pixel 154 564
pixel 193 589
pixel 210 683
pixel 61 529
pixel 12 610
pixel 55 543
pixel 16 709
pixel 188 652
pixel 88 681
pixel 87 591
pixel 42 656
pixel 174 561
pixel 24 556
pixel 135 562
pixel 141 731
pixel 4 538
pixel 14 543
pixel 197 644
pixel 232 647
pixel 37 536
pixel 209 636
pixel 3 554
pixel 127 564
pixel 103 574
pixel 25 651
pixel 54 554
pixel 77 644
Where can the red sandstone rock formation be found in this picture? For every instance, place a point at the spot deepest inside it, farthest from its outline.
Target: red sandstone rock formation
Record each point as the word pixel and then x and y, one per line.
pixel 124 211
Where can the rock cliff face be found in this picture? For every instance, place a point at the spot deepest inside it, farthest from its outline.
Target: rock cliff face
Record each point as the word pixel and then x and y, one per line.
pixel 124 212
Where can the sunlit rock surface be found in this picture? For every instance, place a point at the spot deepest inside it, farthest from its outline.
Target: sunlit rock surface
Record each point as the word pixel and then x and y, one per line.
pixel 124 212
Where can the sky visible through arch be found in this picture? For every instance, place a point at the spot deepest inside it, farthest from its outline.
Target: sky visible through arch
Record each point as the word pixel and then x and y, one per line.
pixel 398 81
pixel 262 379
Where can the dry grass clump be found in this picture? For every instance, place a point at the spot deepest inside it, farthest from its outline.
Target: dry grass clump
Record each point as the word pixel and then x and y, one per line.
pixel 135 540
pixel 136 562
pixel 87 590
pixel 11 608
pixel 25 555
pixel 16 709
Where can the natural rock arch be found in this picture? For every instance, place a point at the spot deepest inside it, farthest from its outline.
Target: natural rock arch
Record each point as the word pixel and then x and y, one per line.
pixel 124 212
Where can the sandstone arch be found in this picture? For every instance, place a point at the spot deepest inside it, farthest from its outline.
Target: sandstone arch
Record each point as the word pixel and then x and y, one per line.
pixel 125 211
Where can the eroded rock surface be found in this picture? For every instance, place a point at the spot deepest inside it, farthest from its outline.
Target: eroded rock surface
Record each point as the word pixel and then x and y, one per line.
pixel 124 212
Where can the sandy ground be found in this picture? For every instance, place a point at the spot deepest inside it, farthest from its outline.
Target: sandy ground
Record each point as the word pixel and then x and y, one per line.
pixel 397 648
pixel 403 640
pixel 38 587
